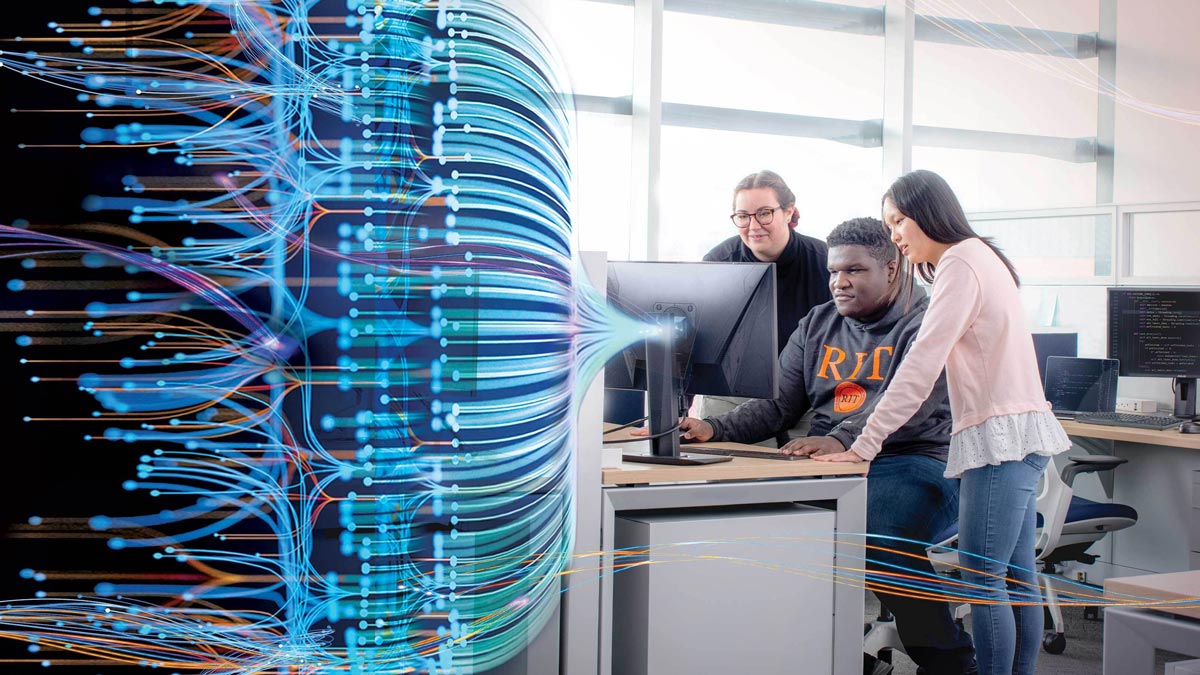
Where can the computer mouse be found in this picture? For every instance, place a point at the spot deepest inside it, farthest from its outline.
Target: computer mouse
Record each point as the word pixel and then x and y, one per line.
pixel 1190 428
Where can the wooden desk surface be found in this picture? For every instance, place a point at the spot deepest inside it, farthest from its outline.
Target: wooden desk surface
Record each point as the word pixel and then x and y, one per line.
pixel 1172 586
pixel 1171 437
pixel 745 468
pixel 739 468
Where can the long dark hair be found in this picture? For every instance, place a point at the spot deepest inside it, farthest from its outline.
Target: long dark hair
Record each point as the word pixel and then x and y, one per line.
pixel 927 199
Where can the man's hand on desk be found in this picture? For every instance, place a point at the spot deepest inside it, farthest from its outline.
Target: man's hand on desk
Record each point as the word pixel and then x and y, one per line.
pixel 696 430
pixel 813 446
pixel 846 456
pixel 690 429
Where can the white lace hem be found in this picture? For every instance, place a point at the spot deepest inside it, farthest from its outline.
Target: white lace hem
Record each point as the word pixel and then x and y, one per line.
pixel 1005 438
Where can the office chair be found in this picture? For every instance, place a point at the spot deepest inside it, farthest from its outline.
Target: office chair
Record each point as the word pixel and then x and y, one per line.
pixel 1067 527
pixel 1072 533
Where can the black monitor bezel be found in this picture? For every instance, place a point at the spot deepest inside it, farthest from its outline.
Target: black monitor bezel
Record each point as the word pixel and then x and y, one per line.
pixel 759 301
pixel 1127 368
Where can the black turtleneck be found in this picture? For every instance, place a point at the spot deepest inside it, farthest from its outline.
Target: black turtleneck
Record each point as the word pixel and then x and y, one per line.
pixel 801 275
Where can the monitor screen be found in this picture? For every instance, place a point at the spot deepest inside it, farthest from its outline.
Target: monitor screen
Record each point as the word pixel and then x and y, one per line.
pixel 727 314
pixel 1081 385
pixel 1155 332
pixel 1046 345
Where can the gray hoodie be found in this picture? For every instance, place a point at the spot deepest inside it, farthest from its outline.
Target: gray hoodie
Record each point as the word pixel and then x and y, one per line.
pixel 839 367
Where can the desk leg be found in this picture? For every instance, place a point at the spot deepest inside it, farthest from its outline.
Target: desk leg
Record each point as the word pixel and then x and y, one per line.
pixel 608 523
pixel 848 601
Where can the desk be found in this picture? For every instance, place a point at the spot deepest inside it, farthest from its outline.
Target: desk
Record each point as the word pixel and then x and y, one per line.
pixel 739 468
pixel 1170 438
pixel 1131 635
pixel 639 487
pixel 1158 482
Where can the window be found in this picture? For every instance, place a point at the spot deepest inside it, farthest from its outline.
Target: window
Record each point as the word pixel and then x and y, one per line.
pixel 602 183
pixel 1004 106
pixel 993 181
pixel 1054 247
pixel 749 65
pixel 832 181
pixel 1004 101
pixel 1149 236
pixel 780 93
pixel 595 41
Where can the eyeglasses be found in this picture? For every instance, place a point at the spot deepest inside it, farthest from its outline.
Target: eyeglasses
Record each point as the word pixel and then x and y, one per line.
pixel 764 216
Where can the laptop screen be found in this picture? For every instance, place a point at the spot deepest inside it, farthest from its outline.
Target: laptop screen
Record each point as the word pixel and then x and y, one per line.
pixel 1081 385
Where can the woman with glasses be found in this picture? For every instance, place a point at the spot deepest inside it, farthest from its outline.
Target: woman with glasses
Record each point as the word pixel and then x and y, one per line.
pixel 765 216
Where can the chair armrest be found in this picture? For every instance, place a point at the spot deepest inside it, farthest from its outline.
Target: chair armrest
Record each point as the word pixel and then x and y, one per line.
pixel 1089 464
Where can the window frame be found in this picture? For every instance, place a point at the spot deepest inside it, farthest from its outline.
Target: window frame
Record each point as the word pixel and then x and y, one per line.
pixel 899 24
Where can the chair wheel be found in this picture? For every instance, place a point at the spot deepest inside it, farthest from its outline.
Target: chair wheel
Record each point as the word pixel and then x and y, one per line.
pixel 1054 643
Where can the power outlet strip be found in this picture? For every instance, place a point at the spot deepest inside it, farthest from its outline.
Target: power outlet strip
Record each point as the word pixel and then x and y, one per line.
pixel 1138 405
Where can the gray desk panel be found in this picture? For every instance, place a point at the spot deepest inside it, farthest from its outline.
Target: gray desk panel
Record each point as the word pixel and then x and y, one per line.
pixel 1132 635
pixel 851 518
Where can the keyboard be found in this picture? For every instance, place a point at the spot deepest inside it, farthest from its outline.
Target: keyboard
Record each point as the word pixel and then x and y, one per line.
pixel 1117 419
pixel 729 452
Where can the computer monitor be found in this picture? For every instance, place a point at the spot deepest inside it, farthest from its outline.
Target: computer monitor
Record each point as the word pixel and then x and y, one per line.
pixel 1155 332
pixel 717 336
pixel 1076 386
pixel 1046 345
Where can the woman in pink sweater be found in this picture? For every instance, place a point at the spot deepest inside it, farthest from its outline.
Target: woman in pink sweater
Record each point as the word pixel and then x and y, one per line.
pixel 1003 431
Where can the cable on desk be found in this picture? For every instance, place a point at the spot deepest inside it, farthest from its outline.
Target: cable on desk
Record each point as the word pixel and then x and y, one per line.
pixel 626 425
pixel 644 438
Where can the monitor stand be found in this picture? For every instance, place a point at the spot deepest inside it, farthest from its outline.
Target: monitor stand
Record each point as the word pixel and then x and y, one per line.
pixel 682 459
pixel 661 388
pixel 1185 397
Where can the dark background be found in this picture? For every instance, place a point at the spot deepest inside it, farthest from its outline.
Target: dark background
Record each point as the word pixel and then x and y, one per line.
pixel 52 472
pixel 49 471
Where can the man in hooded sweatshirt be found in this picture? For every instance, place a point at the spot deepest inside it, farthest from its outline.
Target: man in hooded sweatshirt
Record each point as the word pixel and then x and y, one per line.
pixel 836 364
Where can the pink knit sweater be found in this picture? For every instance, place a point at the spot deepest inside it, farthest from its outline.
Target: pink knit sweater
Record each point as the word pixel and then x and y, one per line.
pixel 975 328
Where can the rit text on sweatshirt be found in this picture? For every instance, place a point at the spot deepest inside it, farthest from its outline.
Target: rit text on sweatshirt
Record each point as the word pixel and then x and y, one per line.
pixel 839 367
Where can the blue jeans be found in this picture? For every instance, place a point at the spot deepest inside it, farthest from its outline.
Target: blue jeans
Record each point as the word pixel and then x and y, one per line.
pixel 997 521
pixel 908 497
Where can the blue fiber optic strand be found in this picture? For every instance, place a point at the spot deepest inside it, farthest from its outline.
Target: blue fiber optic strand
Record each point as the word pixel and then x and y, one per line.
pixel 420 402
pixel 483 236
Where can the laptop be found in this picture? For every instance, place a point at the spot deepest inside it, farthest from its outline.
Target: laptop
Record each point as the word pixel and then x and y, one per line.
pixel 1077 386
